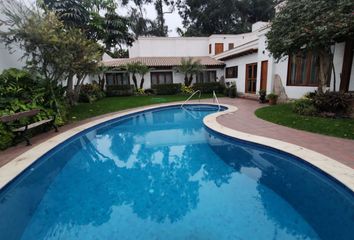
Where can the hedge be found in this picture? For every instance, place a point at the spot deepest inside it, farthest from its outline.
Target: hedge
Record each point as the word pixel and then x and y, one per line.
pixel 167 89
pixel 209 87
pixel 119 90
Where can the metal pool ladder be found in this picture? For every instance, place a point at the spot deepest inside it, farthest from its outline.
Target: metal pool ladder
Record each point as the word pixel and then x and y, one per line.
pixel 215 99
pixel 192 96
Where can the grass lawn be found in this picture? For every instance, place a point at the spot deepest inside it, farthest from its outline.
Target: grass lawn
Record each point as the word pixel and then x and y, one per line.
pixel 282 114
pixel 113 104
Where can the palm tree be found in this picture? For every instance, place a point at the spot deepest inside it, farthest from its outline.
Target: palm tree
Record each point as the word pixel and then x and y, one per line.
pixel 133 68
pixel 195 69
pixel 142 70
pixel 185 68
pixel 189 67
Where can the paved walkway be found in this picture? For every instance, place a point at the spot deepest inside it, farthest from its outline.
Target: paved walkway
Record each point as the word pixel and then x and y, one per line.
pixel 243 120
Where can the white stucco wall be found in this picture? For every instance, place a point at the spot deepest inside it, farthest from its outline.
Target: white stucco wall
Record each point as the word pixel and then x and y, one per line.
pixel 241 63
pixel 351 83
pixel 10 60
pixel 237 40
pixel 169 47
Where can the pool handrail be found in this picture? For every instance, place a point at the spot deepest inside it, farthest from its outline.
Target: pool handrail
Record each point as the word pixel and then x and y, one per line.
pixel 215 99
pixel 195 92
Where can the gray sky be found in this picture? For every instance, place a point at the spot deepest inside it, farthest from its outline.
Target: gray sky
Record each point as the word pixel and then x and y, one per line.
pixel 173 20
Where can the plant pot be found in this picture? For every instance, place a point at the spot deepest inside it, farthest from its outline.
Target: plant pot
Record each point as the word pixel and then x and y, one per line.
pixel 262 98
pixel 272 101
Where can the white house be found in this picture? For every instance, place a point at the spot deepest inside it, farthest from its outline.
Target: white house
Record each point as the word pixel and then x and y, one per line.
pixel 241 58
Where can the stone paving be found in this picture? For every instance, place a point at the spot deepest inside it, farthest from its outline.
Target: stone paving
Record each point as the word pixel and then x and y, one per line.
pixel 243 120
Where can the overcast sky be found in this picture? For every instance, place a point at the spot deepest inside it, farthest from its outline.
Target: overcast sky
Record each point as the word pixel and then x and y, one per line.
pixel 173 20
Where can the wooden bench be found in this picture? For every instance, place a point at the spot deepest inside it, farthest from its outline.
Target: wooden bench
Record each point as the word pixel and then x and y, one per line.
pixel 21 129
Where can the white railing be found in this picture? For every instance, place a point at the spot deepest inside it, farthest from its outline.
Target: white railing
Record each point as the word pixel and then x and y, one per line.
pixel 215 99
pixel 192 96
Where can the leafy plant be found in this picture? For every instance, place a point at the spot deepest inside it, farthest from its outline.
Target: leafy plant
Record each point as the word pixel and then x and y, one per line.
pixel 90 93
pixel 209 87
pixel 6 137
pixel 167 89
pixel 186 89
pixel 305 107
pixel 272 96
pixel 332 102
pixel 262 95
pixel 189 67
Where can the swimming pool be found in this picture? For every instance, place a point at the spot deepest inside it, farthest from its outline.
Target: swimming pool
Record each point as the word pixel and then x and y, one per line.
pixel 160 174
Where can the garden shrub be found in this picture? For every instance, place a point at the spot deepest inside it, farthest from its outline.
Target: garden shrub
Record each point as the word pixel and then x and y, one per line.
pixel 167 89
pixel 209 87
pixel 119 90
pixel 21 91
pixel 186 89
pixel 6 138
pixel 304 107
pixel 150 91
pixel 90 93
pixel 337 103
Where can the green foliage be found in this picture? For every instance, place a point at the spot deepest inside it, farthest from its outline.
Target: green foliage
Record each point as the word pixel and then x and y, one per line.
pixel 6 137
pixel 21 91
pixel 140 92
pixel 189 67
pixel 203 18
pixel 186 89
pixel 90 93
pixel 119 90
pixel 209 87
pixel 167 89
pixel 304 107
pixel 97 19
pixel 337 103
pixel 272 96
pixel 310 25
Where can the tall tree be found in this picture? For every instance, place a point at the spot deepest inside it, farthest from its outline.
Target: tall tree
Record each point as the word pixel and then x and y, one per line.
pixel 307 25
pixel 54 52
pixel 203 18
pixel 98 19
pixel 157 27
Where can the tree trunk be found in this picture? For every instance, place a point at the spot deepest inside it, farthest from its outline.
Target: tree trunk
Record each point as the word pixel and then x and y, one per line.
pixel 186 79
pixel 142 82
pixel 135 82
pixel 324 69
pixel 190 80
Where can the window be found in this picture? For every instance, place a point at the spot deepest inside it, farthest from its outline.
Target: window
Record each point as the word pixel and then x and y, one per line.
pixel 231 46
pixel 231 72
pixel 302 70
pixel 161 78
pixel 209 48
pixel 206 77
pixel 219 48
pixel 121 78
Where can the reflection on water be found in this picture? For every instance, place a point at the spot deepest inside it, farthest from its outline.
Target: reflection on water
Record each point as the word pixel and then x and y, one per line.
pixel 161 175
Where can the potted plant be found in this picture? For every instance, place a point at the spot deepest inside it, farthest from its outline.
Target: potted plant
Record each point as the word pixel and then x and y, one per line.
pixel 262 95
pixel 272 97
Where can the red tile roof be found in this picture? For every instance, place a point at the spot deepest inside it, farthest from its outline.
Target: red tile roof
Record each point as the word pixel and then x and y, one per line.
pixel 161 61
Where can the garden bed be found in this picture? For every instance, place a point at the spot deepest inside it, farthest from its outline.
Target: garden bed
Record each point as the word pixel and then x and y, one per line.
pixel 283 114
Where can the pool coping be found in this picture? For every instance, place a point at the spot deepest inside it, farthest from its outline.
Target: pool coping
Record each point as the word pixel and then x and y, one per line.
pixel 331 167
pixel 335 169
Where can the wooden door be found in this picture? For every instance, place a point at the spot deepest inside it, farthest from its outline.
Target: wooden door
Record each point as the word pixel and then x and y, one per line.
pixel 264 75
pixel 219 48
pixel 251 78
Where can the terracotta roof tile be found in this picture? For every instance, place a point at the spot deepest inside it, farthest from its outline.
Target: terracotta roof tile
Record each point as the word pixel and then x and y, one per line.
pixel 161 61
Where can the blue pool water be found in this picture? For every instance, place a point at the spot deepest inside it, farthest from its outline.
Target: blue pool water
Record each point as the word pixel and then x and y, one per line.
pixel 162 175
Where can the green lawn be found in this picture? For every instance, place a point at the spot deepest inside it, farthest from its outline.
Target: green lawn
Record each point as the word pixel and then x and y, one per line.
pixel 282 114
pixel 113 104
